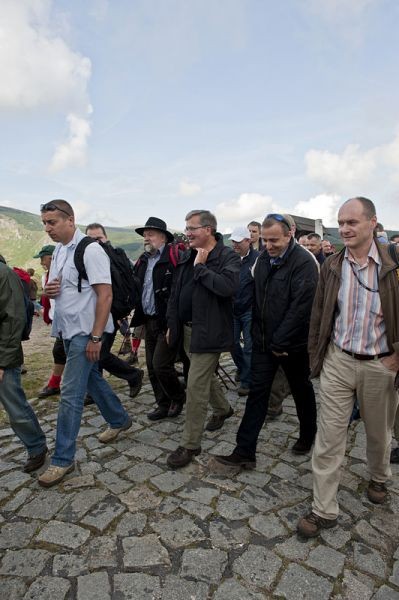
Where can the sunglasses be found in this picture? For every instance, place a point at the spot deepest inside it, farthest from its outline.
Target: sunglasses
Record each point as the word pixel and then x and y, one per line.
pixel 50 206
pixel 279 218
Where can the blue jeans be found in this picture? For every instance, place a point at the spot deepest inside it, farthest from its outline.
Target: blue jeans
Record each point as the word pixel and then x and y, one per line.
pixel 81 375
pixel 22 418
pixel 242 354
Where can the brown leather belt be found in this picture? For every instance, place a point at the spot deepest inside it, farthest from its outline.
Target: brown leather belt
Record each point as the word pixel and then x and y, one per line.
pixel 365 356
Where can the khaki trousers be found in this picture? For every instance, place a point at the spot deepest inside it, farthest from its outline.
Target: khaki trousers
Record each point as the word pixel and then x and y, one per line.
pixel 203 387
pixel 340 377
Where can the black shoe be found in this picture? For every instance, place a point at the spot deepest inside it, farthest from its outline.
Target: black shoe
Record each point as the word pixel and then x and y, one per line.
pixel 235 460
pixel 216 421
pixel 159 413
pixel 175 409
pixel 181 457
pixel 394 455
pixel 136 387
pixel 301 447
pixel 35 462
pixel 48 391
pixel 88 400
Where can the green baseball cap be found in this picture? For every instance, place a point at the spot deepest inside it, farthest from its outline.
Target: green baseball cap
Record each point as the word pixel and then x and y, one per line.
pixel 45 251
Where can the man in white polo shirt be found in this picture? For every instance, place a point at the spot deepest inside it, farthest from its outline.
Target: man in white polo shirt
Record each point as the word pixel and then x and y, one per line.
pixel 82 319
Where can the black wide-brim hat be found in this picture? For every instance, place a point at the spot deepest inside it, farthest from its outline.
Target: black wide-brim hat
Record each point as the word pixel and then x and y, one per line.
pixel 155 223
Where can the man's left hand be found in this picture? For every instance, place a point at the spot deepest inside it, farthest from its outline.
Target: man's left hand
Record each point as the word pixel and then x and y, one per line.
pixel 279 353
pixel 1 375
pixel 93 350
pixel 391 362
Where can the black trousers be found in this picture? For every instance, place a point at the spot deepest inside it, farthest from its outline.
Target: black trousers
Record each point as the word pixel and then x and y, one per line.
pixel 161 366
pixel 263 369
pixel 113 364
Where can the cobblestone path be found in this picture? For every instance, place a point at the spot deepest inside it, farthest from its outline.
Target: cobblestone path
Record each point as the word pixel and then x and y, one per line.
pixel 123 526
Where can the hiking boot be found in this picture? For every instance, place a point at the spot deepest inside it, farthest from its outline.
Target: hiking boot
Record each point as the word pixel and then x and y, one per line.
pixel 301 447
pixel 111 433
pixel 54 475
pixel 311 525
pixel 161 412
pixel 394 455
pixel 175 409
pixel 216 421
pixel 48 391
pixel 35 462
pixel 181 457
pixel 243 391
pixel 136 386
pixel 235 460
pixel 377 492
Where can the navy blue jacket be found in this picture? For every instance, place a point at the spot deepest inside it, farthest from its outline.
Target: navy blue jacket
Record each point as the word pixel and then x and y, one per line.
pixel 244 297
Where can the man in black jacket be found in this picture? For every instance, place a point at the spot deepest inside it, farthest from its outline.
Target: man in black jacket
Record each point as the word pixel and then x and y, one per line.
pixel 285 283
pixel 155 271
pixel 201 310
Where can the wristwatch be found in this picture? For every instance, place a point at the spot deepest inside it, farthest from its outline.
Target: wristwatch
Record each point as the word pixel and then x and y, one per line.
pixel 96 338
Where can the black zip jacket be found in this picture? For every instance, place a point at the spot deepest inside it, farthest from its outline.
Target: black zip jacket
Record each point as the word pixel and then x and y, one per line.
pixel 214 285
pixel 283 301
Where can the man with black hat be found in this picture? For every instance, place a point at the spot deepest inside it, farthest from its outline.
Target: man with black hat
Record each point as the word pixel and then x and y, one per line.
pixel 155 271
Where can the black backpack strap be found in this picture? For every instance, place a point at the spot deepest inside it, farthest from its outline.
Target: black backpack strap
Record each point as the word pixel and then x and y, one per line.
pixel 78 259
pixel 393 253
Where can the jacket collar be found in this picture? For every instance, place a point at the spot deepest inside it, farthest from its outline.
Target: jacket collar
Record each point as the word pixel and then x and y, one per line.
pixel 335 261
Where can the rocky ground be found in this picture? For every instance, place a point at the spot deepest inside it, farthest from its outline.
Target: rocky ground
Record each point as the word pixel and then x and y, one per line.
pixel 123 526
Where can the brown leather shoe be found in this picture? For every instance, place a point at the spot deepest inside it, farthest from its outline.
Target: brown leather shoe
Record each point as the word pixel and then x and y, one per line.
pixel 35 462
pixel 377 492
pixel 181 457
pixel 216 421
pixel 311 525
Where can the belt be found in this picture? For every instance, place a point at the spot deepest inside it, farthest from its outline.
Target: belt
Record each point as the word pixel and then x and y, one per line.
pixel 365 356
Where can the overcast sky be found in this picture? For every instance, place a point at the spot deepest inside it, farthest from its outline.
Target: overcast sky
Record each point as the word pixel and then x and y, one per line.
pixel 133 108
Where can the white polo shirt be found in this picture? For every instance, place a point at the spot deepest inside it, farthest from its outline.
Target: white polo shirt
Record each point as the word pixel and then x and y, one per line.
pixel 74 311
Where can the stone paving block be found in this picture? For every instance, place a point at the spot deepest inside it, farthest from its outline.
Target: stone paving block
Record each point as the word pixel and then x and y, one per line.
pixel 170 481
pixel 44 506
pixel 351 503
pixel 353 588
pixel 202 511
pixel 95 586
pixel 370 536
pixel 369 560
pixel 144 551
pixel 295 548
pixel 136 586
pixel 80 504
pixel 336 537
pixel 13 480
pixel 12 588
pixel 253 478
pixel 284 471
pixel 102 515
pixel 169 505
pixel 90 468
pixel 199 493
pixel 228 535
pixel 178 533
pixel 291 515
pixel 113 482
pixel 395 574
pixel 103 452
pixel 144 452
pixel 225 482
pixel 232 590
pixel 327 560
pixel 48 588
pixel 234 509
pixel 101 552
pixel 298 583
pixel 386 593
pixel 81 481
pixel 180 589
pixel 131 524
pixel 7 466
pixel 69 565
pixel 17 534
pixel 63 534
pixel 25 563
pixel 142 471
pixel 258 566
pixel 203 565
pixel 118 464
pixel 387 523
pixel 140 498
pixel 267 525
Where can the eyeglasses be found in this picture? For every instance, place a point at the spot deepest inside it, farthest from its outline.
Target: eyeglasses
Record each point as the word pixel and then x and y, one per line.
pixel 279 218
pixel 50 206
pixel 188 229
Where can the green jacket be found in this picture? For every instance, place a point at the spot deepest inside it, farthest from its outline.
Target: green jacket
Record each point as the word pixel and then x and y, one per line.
pixel 325 302
pixel 12 318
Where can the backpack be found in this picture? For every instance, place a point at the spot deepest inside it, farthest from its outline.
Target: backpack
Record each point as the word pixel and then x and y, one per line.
pixel 125 284
pixel 29 306
pixel 174 250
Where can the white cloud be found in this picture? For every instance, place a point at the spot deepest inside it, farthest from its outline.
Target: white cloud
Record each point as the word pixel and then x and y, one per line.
pixel 188 188
pixel 39 71
pixel 248 207
pixel 336 10
pixel 322 206
pixel 72 152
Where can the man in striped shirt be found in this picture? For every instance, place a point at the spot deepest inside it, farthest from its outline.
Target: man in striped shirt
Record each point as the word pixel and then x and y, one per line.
pixel 354 345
